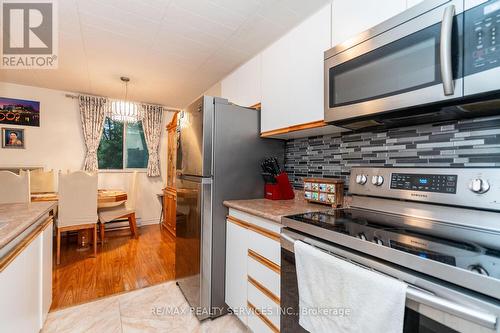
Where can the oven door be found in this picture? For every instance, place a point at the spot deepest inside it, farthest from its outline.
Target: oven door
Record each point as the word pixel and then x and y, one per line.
pixel 414 63
pixel 430 307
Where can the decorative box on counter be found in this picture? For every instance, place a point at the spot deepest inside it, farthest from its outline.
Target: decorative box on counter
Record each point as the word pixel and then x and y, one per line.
pixel 328 191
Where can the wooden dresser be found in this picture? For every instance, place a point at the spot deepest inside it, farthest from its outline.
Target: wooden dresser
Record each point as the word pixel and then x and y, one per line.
pixel 169 192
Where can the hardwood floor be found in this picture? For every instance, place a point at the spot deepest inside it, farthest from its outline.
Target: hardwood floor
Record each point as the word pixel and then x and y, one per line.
pixel 122 264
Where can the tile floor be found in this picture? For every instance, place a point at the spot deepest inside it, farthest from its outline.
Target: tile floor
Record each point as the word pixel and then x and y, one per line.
pixel 154 309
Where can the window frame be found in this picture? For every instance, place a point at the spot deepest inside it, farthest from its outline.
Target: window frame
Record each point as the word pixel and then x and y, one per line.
pixel 124 155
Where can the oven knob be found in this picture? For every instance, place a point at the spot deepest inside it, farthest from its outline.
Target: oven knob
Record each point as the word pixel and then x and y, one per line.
pixel 361 236
pixel 361 179
pixel 478 269
pixel 377 180
pixel 478 185
pixel 378 241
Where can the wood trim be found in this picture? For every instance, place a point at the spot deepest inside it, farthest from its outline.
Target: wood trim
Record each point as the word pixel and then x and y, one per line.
pixel 284 130
pixel 264 261
pixel 170 190
pixel 16 251
pixel 237 221
pixel 262 317
pixel 260 230
pixel 256 106
pixel 173 123
pixel 264 290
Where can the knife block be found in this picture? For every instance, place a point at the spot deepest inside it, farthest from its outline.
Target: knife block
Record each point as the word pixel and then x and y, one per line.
pixel 282 190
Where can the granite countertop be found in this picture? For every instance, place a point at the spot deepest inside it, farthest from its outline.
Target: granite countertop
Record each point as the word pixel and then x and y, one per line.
pixel 275 209
pixel 17 217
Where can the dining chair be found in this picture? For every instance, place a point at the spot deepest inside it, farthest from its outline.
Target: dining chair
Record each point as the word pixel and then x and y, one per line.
pixel 124 210
pixel 77 205
pixel 41 181
pixel 14 188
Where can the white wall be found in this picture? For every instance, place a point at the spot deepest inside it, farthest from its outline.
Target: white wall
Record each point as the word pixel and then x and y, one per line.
pixel 58 144
pixel 214 90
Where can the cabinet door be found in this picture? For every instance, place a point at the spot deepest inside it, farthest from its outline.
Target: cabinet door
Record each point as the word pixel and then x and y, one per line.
pixel 236 269
pixel 20 291
pixel 165 209
pixel 292 75
pixel 243 86
pixel 169 211
pixel 46 269
pixel 350 17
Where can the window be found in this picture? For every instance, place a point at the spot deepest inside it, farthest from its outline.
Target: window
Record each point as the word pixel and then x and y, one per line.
pixel 122 146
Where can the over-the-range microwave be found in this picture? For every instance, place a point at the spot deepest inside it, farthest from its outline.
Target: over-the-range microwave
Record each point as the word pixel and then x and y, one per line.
pixel 436 61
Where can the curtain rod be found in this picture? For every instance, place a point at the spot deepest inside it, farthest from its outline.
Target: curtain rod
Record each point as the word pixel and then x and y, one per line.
pixel 164 107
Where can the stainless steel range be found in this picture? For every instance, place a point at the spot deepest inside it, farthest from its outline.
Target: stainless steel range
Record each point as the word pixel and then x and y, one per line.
pixel 436 229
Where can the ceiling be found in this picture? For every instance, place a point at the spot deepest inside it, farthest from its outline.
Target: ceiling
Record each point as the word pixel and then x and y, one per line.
pixel 172 50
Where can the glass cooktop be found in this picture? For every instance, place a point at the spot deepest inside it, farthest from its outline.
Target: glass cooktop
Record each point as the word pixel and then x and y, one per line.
pixel 391 231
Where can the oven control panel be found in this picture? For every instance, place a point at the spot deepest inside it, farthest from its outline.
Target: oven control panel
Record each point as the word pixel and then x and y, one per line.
pixel 467 187
pixel 424 182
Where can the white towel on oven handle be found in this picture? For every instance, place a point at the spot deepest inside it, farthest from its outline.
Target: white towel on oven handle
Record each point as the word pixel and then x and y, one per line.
pixel 336 296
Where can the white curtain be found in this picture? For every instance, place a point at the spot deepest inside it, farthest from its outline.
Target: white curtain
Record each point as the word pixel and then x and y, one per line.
pixel 93 111
pixel 151 116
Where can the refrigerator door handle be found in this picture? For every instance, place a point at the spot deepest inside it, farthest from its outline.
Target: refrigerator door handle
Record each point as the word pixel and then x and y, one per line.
pixel 195 179
pixel 206 245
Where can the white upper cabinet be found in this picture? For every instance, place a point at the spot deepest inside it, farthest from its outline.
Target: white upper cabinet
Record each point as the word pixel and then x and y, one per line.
pixel 411 3
pixel 350 17
pixel 292 74
pixel 243 86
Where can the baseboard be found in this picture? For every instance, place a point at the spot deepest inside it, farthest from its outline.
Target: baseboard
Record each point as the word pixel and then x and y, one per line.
pixel 148 221
pixel 123 224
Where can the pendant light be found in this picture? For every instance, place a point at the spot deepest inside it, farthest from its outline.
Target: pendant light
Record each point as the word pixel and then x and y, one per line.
pixel 124 110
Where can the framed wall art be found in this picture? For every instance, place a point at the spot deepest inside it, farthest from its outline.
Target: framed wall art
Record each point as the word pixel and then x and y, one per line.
pixel 13 138
pixel 19 112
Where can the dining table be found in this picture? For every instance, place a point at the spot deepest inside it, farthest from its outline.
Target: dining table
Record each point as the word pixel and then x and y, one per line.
pixel 106 198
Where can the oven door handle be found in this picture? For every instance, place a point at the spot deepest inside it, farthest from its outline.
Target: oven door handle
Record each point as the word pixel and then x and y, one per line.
pixel 479 317
pixel 445 50
pixel 413 293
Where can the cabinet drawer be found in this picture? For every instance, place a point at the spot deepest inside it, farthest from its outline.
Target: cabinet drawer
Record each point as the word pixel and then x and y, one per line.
pixel 263 238
pixel 266 276
pixel 264 307
pixel 265 246
pixel 258 325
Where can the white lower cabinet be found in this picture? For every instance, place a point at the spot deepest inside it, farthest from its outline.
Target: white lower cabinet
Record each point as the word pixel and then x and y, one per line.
pixel 268 309
pixel 46 271
pixel 265 275
pixel 26 287
pixel 253 270
pixel 236 269
pixel 256 324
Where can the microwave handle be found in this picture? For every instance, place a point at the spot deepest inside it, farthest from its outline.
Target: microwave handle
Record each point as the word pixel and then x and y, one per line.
pixel 445 50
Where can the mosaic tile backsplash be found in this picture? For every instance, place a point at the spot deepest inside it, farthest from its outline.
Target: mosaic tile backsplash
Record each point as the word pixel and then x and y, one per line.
pixel 464 143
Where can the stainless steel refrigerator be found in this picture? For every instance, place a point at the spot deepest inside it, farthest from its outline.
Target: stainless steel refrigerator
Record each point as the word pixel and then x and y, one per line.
pixel 219 152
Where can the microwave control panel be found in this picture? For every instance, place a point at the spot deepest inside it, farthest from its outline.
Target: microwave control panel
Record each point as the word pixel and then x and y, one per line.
pixel 483 30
